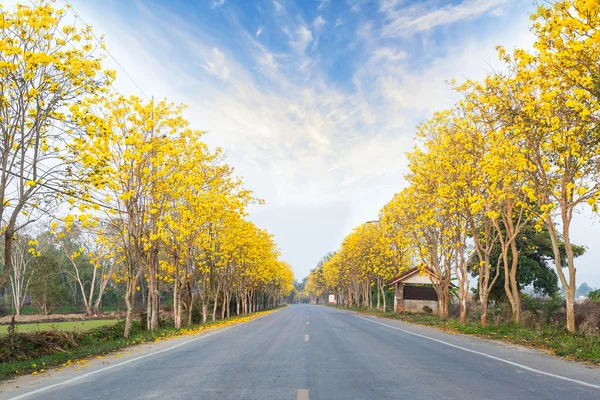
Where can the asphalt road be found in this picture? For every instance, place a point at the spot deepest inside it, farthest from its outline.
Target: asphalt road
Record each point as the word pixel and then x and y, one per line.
pixel 310 352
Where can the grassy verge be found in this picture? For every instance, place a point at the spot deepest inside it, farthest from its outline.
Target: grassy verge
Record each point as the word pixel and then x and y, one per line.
pixel 556 340
pixel 35 356
pixel 59 326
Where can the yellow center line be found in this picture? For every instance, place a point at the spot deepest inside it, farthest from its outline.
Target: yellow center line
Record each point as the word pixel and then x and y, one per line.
pixel 302 394
pixel 306 337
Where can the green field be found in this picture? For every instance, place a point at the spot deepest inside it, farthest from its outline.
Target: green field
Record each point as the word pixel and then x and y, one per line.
pixel 60 326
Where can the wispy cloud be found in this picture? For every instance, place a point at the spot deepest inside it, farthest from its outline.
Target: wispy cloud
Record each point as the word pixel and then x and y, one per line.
pixel 216 64
pixel 421 17
pixel 278 7
pixel 302 139
pixel 217 3
pixel 318 23
pixel 301 40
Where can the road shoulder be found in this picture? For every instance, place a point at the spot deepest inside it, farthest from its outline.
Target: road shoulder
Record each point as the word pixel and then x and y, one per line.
pixel 516 355
pixel 29 384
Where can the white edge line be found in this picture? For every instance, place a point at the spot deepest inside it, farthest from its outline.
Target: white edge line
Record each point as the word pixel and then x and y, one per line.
pixel 77 378
pixel 515 364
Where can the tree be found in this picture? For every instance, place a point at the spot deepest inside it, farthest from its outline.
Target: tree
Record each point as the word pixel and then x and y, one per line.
pixel 46 65
pixel 128 153
pixel 534 268
pixel 594 295
pixel 22 269
pixel 47 288
pixel 88 263
pixel 560 121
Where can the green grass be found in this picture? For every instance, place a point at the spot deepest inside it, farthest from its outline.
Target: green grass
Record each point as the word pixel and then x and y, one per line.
pixel 555 339
pixel 60 326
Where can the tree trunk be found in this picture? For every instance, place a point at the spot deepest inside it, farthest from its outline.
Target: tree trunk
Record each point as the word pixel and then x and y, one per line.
pixel 443 304
pixel 378 296
pixel 155 304
pixel 228 305
pixel 190 308
pixel 511 282
pixel 569 285
pixel 128 314
pixel 92 287
pixel 463 310
pixel 570 300
pixel 8 243
pixel 224 306
pixel 204 312
pixel 179 312
pixel 483 308
pixel 214 312
pixel 443 311
pixel 148 308
pixel 176 314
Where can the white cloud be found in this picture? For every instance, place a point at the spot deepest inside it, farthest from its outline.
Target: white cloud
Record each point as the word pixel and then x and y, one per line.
pixel 217 65
pixel 318 23
pixel 497 12
pixel 387 54
pixel 302 39
pixel 217 3
pixel 404 21
pixel 259 31
pixel 278 7
pixel 338 22
pixel 323 158
pixel 322 4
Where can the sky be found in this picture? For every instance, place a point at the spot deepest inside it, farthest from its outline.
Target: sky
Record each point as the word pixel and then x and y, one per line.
pixel 315 102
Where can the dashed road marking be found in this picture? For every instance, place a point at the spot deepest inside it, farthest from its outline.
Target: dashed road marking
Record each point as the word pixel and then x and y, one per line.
pixel 307 322
pixel 302 394
pixel 307 337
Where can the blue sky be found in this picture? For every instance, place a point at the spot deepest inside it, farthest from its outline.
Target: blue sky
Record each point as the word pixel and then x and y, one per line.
pixel 315 102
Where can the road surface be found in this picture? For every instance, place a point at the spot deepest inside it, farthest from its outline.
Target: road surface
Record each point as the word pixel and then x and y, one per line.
pixel 312 352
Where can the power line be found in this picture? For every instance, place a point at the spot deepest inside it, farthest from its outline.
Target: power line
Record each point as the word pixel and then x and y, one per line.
pixel 67 5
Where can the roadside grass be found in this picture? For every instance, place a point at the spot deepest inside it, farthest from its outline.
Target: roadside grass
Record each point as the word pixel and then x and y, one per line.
pixel 59 326
pixel 553 339
pixel 27 354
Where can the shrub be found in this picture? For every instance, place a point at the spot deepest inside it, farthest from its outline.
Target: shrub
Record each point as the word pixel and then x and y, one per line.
pixel 587 317
pixel 541 310
pixel 594 295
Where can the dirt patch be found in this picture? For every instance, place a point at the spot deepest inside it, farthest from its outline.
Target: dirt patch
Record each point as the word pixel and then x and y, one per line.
pixel 25 319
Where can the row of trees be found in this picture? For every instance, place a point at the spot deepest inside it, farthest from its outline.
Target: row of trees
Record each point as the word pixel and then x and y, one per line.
pixel 150 202
pixel 368 258
pixel 518 150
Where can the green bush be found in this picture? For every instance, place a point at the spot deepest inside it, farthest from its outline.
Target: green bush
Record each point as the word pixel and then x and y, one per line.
pixel 594 295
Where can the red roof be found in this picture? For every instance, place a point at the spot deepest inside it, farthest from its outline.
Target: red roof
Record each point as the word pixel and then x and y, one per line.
pixel 411 272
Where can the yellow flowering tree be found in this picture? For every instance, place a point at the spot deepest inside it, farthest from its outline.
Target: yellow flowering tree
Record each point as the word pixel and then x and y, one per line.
pixel 46 65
